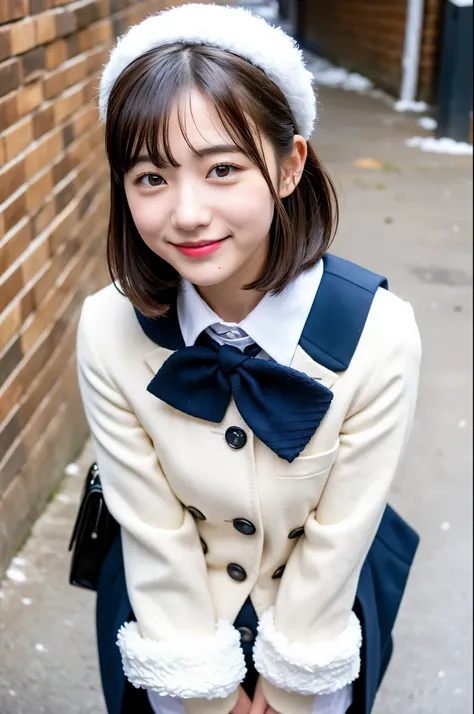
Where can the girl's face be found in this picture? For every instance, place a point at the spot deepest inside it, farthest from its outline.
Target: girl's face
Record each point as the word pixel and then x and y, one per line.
pixel 209 217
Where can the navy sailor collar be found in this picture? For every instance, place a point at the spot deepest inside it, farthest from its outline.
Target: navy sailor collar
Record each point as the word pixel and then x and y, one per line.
pixel 334 325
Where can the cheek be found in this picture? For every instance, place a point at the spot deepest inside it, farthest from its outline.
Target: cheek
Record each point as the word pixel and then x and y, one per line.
pixel 253 207
pixel 146 215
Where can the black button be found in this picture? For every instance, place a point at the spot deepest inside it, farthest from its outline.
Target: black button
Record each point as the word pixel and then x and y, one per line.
pixel 236 572
pixel 205 549
pixel 196 513
pixel 236 437
pixel 278 572
pixel 246 635
pixel 296 532
pixel 244 526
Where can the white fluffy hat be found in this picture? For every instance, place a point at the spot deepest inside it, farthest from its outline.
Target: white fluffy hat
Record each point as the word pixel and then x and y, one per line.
pixel 229 28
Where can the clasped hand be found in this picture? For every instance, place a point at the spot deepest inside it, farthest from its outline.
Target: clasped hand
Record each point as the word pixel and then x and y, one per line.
pixel 258 706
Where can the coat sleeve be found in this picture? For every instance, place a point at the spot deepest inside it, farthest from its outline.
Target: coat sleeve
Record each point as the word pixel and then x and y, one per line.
pixel 309 642
pixel 175 647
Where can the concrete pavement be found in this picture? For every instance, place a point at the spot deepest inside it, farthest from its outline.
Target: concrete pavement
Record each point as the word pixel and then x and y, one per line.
pixel 409 217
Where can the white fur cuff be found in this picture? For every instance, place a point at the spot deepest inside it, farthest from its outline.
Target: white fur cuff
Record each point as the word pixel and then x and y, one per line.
pixel 206 667
pixel 319 668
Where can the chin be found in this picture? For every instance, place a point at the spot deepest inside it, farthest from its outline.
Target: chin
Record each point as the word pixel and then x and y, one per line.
pixel 206 278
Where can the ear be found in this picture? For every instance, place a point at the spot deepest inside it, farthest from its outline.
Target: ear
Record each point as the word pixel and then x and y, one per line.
pixel 293 166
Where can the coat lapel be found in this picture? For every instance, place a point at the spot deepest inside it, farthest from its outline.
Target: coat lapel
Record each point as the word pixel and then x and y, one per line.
pixel 304 363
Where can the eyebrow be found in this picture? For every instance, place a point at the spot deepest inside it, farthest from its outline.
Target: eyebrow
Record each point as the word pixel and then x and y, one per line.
pixel 201 153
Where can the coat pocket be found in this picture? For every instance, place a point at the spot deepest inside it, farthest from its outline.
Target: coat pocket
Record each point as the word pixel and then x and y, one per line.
pixel 307 466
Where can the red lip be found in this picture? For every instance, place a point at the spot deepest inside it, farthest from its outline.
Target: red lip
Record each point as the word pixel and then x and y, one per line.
pixel 199 248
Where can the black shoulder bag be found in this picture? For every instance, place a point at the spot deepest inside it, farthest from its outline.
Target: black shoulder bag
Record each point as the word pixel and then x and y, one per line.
pixel 92 535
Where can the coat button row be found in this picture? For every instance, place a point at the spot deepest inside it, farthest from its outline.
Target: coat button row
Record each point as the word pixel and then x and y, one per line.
pixel 247 636
pixel 296 532
pixel 243 526
pixel 236 437
pixel 240 524
pixel 236 572
pixel 196 513
pixel 278 572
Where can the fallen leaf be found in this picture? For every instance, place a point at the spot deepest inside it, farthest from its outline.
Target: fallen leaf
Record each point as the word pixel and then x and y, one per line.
pixel 368 164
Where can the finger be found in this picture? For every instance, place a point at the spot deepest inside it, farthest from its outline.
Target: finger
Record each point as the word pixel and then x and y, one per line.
pixel 259 704
pixel 243 703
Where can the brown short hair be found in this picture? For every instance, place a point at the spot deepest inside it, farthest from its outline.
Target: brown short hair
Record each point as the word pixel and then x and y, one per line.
pixel 138 116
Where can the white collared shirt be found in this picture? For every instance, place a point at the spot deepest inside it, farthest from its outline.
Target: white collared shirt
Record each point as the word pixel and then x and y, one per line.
pixel 275 324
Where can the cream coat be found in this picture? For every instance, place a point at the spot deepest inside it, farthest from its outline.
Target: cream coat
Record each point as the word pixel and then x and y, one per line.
pixel 155 461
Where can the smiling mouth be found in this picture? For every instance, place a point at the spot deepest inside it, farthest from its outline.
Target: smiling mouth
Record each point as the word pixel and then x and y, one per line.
pixel 199 243
pixel 199 248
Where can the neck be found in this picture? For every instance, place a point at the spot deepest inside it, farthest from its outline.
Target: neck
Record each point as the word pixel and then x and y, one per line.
pixel 228 299
pixel 230 304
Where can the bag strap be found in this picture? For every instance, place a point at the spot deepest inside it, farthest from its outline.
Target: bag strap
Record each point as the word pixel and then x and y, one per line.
pixel 339 312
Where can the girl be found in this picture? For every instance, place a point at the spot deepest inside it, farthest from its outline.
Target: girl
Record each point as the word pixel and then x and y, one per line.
pixel 249 395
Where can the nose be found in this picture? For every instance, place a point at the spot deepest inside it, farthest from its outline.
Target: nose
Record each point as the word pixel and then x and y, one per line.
pixel 190 210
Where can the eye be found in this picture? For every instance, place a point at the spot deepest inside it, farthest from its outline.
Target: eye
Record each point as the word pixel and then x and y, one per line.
pixel 150 180
pixel 223 170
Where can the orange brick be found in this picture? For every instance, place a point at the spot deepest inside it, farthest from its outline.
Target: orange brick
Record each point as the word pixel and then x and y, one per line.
pixel 40 322
pixel 35 258
pixel 96 60
pixel 10 322
pixel 43 217
pixel 17 138
pixel 45 27
pixel 9 76
pixel 56 54
pixel 55 82
pixel 11 178
pixel 68 103
pixel 14 244
pixel 42 121
pixel 76 70
pixel 29 98
pixel 103 32
pixel 5 42
pixel 8 111
pixel 2 152
pixel 64 225
pixel 44 153
pixel 14 210
pixel 12 10
pixel 38 190
pixel 84 120
pixel 23 36
pixel 10 285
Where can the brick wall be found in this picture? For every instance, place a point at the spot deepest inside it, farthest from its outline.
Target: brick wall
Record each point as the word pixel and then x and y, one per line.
pixel 53 218
pixel 367 36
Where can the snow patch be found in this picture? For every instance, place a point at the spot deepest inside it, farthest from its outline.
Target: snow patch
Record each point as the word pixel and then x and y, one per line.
pixel 440 146
pixel 327 75
pixel 408 105
pixel 427 123
pixel 16 575
pixel 62 498
pixel 72 470
pixel 19 561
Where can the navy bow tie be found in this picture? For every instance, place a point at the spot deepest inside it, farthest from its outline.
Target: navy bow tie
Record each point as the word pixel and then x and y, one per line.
pixel 282 407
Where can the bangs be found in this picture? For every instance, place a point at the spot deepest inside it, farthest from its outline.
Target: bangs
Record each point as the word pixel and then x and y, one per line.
pixel 158 92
